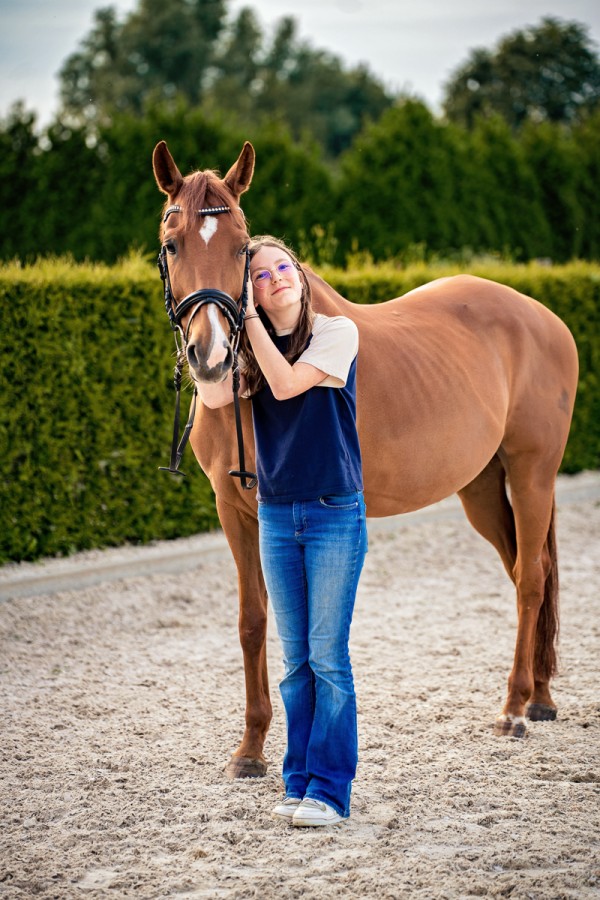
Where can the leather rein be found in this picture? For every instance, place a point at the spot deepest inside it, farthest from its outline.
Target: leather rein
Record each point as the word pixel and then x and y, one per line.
pixel 235 314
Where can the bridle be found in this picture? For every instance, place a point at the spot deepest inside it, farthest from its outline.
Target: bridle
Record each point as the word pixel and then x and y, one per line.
pixel 235 313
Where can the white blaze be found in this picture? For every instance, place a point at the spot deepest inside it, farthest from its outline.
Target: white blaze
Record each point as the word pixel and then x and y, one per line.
pixel 208 228
pixel 218 350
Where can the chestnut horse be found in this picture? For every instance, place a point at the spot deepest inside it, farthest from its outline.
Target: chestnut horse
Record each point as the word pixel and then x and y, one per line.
pixel 463 385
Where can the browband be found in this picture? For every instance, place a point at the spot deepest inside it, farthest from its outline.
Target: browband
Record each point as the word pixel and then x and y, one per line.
pixel 209 211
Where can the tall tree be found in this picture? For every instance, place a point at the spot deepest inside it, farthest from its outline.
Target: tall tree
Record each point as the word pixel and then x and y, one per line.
pixel 507 192
pixel 397 185
pixel 549 72
pixel 185 49
pixel 313 92
pixel 559 164
pixel 587 138
pixel 162 49
pixel 18 157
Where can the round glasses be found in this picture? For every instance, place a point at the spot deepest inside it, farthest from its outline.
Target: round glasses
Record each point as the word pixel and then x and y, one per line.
pixel 262 277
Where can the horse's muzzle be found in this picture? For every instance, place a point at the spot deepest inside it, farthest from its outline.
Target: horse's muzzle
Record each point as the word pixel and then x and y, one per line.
pixel 208 370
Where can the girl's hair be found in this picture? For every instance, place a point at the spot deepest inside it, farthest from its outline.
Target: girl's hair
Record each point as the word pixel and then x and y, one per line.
pixel 302 331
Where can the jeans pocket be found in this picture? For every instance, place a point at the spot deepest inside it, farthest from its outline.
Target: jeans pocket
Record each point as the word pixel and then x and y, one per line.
pixel 339 501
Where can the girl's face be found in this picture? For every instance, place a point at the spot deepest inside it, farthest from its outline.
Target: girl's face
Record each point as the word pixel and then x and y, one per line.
pixel 276 281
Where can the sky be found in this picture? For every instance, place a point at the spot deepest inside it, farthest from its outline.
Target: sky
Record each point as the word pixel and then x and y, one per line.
pixel 411 47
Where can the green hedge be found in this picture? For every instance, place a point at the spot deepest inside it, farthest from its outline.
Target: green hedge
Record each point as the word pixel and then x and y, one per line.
pixel 86 378
pixel 86 375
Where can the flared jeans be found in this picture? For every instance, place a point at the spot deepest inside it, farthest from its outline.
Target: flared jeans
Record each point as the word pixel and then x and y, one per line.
pixel 312 553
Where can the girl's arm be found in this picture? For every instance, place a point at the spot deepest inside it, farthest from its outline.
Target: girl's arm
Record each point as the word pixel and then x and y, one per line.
pixel 284 379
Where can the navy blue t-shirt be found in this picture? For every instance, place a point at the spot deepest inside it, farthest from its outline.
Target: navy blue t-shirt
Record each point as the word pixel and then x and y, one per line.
pixel 307 447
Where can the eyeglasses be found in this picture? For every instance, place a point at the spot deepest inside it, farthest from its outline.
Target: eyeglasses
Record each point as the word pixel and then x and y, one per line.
pixel 262 277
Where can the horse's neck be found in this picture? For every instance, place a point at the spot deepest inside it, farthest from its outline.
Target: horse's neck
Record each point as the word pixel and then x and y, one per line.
pixel 325 299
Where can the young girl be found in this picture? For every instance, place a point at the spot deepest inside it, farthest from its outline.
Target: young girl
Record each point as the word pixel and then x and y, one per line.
pixel 300 372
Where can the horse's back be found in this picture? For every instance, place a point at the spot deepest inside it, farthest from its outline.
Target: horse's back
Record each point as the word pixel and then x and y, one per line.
pixel 472 303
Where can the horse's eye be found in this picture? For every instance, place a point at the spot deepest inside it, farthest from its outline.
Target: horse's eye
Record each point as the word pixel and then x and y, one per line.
pixel 170 247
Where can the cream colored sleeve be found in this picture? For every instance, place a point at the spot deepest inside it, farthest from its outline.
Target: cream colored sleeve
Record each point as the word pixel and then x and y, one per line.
pixel 332 349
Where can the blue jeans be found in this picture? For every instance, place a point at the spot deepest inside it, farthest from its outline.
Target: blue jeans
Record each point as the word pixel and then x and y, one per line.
pixel 312 553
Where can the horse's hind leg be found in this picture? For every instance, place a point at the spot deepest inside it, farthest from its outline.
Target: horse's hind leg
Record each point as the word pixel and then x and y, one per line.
pixel 541 705
pixel 532 499
pixel 488 509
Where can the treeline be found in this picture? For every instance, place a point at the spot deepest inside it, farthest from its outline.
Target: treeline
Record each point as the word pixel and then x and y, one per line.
pixel 410 185
pixel 201 54
pixel 345 171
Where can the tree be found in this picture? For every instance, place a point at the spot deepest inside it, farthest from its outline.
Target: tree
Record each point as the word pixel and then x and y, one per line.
pixel 171 50
pixel 410 179
pixel 313 92
pixel 559 164
pixel 160 50
pixel 507 193
pixel 397 185
pixel 19 217
pixel 235 78
pixel 549 72
pixel 62 193
pixel 18 146
pixel 587 137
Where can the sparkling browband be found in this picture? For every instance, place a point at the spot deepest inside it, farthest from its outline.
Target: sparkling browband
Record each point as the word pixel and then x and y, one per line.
pixel 213 210
pixel 210 211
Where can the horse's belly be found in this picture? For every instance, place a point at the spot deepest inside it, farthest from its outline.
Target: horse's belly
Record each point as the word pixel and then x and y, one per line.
pixel 410 465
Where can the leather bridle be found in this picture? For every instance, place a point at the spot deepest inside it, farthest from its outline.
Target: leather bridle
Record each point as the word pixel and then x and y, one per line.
pixel 235 313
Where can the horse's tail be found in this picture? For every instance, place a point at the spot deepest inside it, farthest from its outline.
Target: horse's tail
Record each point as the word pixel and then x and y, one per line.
pixel 546 656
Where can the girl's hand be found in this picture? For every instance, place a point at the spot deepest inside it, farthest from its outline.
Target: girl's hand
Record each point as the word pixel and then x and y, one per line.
pixel 250 308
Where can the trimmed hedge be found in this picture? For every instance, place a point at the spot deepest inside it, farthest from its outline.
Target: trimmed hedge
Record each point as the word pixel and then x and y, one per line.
pixel 86 374
pixel 86 356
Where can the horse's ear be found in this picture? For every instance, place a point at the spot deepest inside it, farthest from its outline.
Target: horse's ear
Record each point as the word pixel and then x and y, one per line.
pixel 168 177
pixel 240 174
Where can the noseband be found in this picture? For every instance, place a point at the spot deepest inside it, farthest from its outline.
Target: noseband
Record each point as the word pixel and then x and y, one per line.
pixel 235 314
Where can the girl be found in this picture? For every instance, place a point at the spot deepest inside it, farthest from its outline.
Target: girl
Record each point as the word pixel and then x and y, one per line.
pixel 299 370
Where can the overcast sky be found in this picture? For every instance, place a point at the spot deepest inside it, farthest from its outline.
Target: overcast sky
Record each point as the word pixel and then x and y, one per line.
pixel 410 46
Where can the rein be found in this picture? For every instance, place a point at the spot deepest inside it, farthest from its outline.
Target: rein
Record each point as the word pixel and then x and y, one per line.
pixel 235 314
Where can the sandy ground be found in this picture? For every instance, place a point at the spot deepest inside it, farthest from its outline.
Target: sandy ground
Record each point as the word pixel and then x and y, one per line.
pixel 122 701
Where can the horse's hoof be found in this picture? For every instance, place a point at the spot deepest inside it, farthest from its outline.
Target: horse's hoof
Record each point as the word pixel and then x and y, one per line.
pixel 244 767
pixel 510 726
pixel 539 712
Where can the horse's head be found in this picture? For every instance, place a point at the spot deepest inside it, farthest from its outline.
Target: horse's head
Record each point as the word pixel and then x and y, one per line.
pixel 203 257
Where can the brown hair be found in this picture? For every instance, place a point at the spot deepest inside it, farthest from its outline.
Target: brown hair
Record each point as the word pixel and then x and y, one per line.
pixel 302 331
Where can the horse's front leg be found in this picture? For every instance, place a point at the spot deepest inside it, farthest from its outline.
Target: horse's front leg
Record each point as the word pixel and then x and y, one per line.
pixel 241 530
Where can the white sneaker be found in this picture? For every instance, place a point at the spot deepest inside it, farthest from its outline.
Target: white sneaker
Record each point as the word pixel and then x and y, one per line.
pixel 286 808
pixel 315 812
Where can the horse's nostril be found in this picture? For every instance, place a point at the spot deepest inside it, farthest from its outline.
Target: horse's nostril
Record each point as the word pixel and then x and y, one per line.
pixel 192 356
